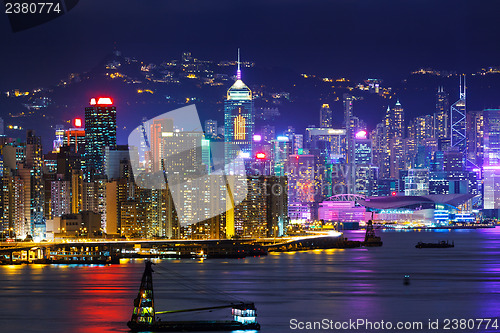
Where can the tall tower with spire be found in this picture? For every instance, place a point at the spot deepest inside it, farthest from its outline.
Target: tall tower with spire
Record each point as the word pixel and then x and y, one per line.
pixel 458 120
pixel 238 119
pixel 238 71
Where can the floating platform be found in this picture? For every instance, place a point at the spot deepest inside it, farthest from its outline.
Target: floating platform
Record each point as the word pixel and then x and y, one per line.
pixel 441 244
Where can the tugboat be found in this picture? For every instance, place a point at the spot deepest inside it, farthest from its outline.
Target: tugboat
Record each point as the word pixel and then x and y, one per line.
pixel 370 238
pixel 440 244
pixel 144 315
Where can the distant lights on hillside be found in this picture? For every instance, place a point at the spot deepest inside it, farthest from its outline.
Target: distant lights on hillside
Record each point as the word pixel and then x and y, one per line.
pixel 101 101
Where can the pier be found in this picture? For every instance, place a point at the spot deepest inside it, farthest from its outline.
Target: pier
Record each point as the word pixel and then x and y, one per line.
pixel 106 251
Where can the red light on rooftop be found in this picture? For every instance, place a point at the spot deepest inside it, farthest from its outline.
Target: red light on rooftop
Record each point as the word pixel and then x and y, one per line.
pixel 260 156
pixel 104 101
pixel 77 122
pixel 92 101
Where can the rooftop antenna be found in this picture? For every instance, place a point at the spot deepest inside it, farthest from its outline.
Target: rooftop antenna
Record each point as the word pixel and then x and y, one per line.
pixel 238 72
pixel 462 93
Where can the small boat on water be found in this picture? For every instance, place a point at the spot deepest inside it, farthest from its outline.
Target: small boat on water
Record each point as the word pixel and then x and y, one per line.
pixel 370 238
pixel 440 244
pixel 144 317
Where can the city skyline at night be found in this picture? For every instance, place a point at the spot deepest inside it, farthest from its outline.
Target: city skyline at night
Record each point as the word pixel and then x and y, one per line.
pixel 273 166
pixel 339 158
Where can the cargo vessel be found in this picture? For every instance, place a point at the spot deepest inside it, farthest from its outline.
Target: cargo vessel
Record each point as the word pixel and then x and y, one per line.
pixel 144 317
pixel 440 244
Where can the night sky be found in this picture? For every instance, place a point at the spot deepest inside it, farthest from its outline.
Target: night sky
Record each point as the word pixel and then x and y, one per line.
pixel 357 39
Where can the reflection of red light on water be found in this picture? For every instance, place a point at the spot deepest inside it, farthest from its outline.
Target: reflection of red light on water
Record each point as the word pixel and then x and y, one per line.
pixel 102 302
pixel 260 156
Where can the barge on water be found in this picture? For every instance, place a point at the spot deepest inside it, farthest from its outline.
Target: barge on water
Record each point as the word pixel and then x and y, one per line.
pixel 144 317
pixel 440 244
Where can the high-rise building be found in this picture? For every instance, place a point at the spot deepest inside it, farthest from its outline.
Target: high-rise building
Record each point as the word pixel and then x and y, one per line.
pixel 348 114
pixel 159 126
pixel 263 213
pixel 210 128
pixel 475 133
pixel 31 173
pixel 417 182
pixel 60 198
pixel 268 133
pixel 362 149
pixel 113 160
pixel 325 116
pixel 59 138
pixel 393 157
pixel 75 137
pixel 421 128
pixel 305 182
pixel 377 137
pixel 238 120
pixel 100 132
pixel 458 121
pixel 298 143
pixel 441 119
pixel 348 105
pixel 491 164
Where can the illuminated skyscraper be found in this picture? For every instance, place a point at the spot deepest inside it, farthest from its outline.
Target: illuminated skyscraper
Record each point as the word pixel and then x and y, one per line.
pixel 458 121
pixel 59 139
pixel 393 161
pixel 475 133
pixel 441 121
pixel 492 162
pixel 325 116
pixel 421 128
pixel 31 172
pixel 75 137
pixel 159 127
pixel 348 103
pixel 238 119
pixel 100 132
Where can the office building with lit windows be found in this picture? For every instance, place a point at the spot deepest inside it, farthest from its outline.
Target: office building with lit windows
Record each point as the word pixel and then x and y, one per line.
pixel 491 166
pixel 100 132
pixel 238 120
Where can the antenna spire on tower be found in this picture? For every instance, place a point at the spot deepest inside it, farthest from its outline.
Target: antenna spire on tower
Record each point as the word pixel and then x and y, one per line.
pixel 462 87
pixel 238 72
